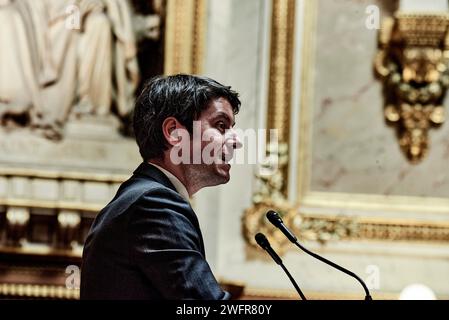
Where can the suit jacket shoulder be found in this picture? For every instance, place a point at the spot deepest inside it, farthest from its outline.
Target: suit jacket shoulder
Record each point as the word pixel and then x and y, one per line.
pixel 147 243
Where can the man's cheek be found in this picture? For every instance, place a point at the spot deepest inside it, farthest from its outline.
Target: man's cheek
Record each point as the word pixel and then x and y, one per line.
pixel 212 150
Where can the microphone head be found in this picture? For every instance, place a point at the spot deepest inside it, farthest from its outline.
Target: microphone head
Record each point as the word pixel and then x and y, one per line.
pixel 262 240
pixel 274 218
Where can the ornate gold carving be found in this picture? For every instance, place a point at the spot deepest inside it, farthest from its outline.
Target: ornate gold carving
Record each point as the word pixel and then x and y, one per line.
pixel 350 228
pixel 331 228
pixel 402 231
pixel 38 291
pixel 254 221
pixel 325 229
pixel 185 36
pixel 271 175
pixel 413 62
pixel 383 228
pixel 270 197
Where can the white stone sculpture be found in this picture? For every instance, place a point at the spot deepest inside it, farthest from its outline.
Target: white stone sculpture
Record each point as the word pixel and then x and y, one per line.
pixel 69 59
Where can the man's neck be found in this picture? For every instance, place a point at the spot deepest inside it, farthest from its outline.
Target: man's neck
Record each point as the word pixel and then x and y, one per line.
pixel 175 170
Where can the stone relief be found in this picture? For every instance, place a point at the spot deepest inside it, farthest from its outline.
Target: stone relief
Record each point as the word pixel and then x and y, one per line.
pixel 71 61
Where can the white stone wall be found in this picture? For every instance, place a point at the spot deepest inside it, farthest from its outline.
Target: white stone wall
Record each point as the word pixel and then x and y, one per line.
pixel 235 56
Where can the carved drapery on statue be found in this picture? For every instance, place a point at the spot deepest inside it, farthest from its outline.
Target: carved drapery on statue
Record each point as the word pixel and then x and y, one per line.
pixel 53 72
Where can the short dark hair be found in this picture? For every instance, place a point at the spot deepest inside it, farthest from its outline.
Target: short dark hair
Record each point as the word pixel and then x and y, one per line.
pixel 181 96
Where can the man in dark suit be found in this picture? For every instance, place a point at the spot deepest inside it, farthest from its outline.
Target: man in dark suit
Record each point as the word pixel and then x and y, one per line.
pixel 147 243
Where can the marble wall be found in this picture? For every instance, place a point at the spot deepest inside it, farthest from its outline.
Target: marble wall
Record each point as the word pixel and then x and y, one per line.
pixel 354 149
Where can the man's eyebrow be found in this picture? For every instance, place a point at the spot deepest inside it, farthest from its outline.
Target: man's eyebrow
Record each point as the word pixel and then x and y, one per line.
pixel 224 115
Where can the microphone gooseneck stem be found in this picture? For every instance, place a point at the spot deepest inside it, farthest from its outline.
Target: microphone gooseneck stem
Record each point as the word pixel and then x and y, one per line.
pixel 303 297
pixel 263 242
pixel 352 274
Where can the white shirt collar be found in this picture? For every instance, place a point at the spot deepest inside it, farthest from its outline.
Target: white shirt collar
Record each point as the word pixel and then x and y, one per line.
pixel 175 181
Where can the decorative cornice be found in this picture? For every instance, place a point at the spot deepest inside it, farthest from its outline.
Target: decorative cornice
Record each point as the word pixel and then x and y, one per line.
pixel 59 176
pixel 54 205
pixel 63 175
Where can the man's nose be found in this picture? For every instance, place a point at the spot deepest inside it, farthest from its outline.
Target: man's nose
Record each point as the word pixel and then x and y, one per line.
pixel 234 140
pixel 238 143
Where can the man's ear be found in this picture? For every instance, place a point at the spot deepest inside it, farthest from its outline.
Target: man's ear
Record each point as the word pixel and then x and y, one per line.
pixel 171 130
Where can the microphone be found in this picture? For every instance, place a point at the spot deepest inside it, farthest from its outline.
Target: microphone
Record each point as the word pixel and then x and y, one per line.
pixel 276 220
pixel 263 242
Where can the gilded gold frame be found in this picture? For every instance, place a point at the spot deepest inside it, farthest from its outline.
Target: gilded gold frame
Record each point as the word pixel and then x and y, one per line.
pixel 402 228
pixel 281 73
pixel 185 36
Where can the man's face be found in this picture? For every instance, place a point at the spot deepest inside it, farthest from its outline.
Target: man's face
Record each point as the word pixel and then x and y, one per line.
pixel 217 145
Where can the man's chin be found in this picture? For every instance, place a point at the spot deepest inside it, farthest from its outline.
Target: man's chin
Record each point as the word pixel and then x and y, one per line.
pixel 216 174
pixel 223 170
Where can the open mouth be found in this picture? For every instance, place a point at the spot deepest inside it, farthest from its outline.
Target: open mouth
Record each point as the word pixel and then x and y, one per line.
pixel 226 158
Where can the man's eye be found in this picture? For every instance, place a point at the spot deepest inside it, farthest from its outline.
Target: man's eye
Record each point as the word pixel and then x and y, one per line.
pixel 221 126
